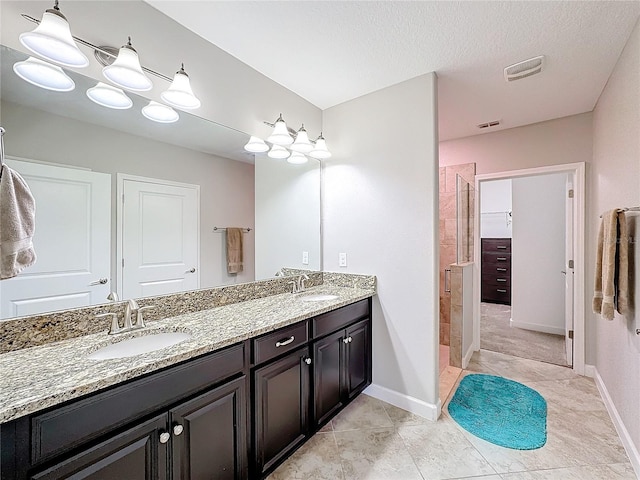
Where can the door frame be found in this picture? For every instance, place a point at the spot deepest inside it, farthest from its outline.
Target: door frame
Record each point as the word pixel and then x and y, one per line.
pixel 578 172
pixel 120 179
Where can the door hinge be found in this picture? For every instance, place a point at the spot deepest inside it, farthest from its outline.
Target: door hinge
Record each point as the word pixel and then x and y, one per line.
pixel 571 193
pixel 570 263
pixel 123 198
pixel 123 263
pixel 570 334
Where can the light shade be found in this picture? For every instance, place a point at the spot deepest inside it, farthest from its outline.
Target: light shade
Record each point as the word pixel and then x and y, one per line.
pixel 109 96
pixel 126 71
pixel 44 75
pixel 160 113
pixel 302 143
pixel 52 40
pixel 297 158
pixel 320 150
pixel 256 145
pixel 179 93
pixel 278 152
pixel 280 135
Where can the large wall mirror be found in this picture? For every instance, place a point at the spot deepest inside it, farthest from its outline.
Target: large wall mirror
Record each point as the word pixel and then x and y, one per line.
pixel 192 175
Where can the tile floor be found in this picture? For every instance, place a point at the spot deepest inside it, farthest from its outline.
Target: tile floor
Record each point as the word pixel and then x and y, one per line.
pixel 371 439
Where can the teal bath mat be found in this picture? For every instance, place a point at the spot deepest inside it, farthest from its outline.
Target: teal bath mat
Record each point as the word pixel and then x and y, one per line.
pixel 500 411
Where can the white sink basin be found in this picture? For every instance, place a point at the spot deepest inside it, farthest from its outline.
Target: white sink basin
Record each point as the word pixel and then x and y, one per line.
pixel 320 297
pixel 139 345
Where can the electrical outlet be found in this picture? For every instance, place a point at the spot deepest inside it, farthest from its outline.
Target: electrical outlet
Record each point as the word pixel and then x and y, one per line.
pixel 305 258
pixel 342 259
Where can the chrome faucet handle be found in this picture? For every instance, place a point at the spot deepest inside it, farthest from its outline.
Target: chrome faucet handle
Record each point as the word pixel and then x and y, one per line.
pixel 295 286
pixel 131 307
pixel 303 278
pixel 139 319
pixel 115 326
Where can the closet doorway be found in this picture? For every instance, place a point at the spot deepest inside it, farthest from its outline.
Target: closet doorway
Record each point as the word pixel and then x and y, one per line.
pixel 529 295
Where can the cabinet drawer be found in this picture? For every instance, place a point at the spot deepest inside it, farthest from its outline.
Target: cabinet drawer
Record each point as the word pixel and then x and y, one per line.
pixel 281 341
pixel 494 258
pixel 495 294
pixel 496 245
pixel 496 269
pixel 331 321
pixel 64 428
pixel 496 280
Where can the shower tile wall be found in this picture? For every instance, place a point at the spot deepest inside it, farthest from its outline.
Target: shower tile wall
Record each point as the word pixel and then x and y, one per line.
pixel 448 239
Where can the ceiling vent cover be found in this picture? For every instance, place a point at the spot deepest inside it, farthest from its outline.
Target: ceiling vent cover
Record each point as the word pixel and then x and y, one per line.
pixel 524 69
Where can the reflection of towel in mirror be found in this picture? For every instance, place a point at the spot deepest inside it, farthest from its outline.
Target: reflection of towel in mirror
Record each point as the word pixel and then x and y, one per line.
pixel 612 266
pixel 17 224
pixel 234 250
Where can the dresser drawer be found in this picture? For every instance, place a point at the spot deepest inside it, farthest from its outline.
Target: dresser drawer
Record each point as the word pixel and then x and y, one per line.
pixel 281 341
pixel 496 280
pixel 331 321
pixel 494 258
pixel 501 269
pixel 500 245
pixel 496 294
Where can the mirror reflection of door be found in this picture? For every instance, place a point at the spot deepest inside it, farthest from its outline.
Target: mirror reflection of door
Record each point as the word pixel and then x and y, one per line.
pixel 71 240
pixel 158 236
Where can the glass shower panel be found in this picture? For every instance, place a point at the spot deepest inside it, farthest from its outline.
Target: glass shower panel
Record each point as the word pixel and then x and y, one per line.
pixel 465 199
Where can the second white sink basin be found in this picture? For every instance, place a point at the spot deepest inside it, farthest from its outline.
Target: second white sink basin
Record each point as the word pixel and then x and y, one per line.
pixel 320 297
pixel 139 345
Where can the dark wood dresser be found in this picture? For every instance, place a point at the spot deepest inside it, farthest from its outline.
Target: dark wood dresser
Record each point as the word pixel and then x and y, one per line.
pixel 496 270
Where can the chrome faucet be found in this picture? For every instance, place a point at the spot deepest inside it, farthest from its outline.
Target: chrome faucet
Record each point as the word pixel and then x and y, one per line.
pixel 129 310
pixel 298 283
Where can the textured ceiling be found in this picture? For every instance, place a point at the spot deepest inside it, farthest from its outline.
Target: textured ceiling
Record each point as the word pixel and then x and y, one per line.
pixel 332 52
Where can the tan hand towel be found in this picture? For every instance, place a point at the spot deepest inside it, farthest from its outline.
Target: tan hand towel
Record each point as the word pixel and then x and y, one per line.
pixel 17 224
pixel 234 250
pixel 612 266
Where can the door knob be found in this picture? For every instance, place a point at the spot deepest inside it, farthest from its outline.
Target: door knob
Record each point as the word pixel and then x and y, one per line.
pixel 102 281
pixel 193 270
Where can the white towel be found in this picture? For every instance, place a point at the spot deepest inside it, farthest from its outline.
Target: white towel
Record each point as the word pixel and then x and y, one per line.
pixel 17 224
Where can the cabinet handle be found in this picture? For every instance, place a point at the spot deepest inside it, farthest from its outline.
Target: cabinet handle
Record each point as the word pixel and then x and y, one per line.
pixel 307 361
pixel 102 281
pixel 501 259
pixel 501 247
pixel 501 269
pixel 164 437
pixel 501 290
pixel 282 343
pixel 501 279
pixel 447 289
pixel 178 429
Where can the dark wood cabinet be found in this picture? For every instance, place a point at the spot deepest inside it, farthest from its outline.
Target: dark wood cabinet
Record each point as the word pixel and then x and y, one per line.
pixel 281 408
pixel 496 270
pixel 358 358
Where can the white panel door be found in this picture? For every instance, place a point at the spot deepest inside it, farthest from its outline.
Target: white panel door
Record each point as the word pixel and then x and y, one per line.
pixel 160 237
pixel 72 242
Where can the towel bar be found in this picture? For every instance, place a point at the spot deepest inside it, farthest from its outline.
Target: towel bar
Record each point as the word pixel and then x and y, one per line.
pixel 219 229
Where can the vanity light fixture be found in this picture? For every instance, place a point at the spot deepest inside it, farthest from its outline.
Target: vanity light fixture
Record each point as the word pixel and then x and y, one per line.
pixel 297 158
pixel 109 96
pixel 126 71
pixel 256 145
pixel 302 143
pixel 44 75
pixel 320 150
pixel 278 152
pixel 280 135
pixel 179 94
pixel 52 40
pixel 160 113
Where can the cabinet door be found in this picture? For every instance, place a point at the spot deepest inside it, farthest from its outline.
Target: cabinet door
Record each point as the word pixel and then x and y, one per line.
pixel 358 358
pixel 328 376
pixel 281 409
pixel 209 435
pixel 136 454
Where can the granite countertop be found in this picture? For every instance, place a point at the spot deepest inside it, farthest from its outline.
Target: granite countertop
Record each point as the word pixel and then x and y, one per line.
pixel 35 378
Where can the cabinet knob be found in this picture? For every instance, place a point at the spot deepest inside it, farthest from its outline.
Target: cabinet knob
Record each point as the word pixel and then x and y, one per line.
pixel 307 361
pixel 164 437
pixel 178 429
pixel 345 340
pixel 350 339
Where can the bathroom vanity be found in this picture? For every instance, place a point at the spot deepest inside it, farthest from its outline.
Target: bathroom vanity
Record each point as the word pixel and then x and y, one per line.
pixel 235 411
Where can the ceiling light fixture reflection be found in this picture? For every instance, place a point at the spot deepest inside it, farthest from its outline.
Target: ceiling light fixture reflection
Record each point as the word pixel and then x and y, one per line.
pixel 44 75
pixel 297 158
pixel 52 40
pixel 302 143
pixel 278 152
pixel 280 135
pixel 126 71
pixel 109 96
pixel 256 145
pixel 160 113
pixel 180 94
pixel 320 150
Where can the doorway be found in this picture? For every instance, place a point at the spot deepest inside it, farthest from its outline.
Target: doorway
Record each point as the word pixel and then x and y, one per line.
pixel 533 245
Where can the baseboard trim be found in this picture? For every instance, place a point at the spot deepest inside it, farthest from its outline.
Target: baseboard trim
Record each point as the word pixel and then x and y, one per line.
pixel 429 411
pixel 623 433
pixel 589 370
pixel 537 327
pixel 467 357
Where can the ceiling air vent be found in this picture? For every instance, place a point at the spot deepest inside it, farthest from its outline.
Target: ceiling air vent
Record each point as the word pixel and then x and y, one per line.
pixel 495 123
pixel 524 69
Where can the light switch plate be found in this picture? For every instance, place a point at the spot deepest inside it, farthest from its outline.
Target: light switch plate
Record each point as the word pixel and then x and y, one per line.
pixel 342 259
pixel 305 258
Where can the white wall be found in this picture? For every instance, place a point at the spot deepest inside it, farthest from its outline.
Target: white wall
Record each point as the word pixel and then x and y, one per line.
pixel 495 202
pixel 615 182
pixel 287 215
pixel 226 186
pixel 381 208
pixel 538 253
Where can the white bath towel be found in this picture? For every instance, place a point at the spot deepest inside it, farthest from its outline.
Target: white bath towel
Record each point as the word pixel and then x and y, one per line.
pixel 17 224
